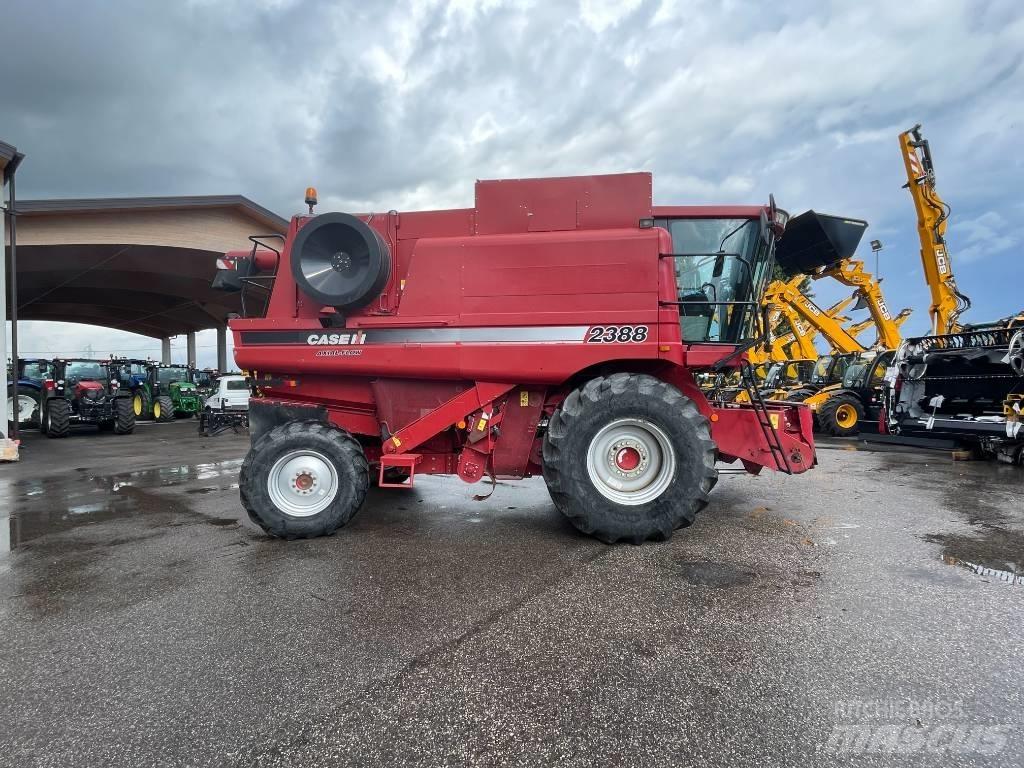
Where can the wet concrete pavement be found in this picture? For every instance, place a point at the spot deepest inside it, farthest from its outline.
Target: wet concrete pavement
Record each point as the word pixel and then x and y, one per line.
pixel 143 621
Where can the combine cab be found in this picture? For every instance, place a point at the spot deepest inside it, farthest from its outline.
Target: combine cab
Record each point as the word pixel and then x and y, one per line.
pixel 85 392
pixel 555 328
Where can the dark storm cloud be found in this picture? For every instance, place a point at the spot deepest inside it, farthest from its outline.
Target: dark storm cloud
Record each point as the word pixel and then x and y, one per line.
pixel 404 104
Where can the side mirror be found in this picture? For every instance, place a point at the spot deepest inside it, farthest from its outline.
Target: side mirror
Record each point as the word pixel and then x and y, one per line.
pixel 773 221
pixel 719 265
pixel 231 271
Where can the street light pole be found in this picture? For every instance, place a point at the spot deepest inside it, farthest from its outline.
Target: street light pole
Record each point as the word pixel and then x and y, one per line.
pixel 876 248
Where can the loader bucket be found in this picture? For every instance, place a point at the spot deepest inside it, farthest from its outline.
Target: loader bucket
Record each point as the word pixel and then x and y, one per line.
pixel 814 240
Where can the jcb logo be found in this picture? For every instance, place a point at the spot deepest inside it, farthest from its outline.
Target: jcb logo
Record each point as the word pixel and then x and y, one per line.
pixel 941 262
pixel 811 308
pixel 884 309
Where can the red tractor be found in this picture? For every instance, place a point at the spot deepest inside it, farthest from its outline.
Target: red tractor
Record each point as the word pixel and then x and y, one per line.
pixel 554 328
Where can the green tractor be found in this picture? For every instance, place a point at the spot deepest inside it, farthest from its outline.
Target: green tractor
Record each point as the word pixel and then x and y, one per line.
pixel 174 392
pixel 159 392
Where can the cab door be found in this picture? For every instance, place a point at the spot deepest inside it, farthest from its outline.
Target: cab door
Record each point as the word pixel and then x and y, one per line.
pixel 876 378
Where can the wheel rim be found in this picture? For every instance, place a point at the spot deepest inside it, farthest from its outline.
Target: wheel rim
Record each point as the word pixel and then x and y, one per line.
pixel 846 415
pixel 157 410
pixel 137 405
pixel 631 461
pixel 302 483
pixel 26 407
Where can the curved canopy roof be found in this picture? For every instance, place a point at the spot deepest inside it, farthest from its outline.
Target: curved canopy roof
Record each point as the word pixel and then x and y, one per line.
pixel 137 264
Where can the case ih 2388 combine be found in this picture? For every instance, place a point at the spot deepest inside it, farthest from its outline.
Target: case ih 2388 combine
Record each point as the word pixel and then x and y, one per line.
pixel 553 328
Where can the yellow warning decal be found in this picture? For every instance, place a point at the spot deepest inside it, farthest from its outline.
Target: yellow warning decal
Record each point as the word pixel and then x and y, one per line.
pixel 524 399
pixel 775 420
pixel 480 425
pixel 396 441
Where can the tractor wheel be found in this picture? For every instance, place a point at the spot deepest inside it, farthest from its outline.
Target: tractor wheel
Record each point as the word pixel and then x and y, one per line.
pixel 57 419
pixel 124 416
pixel 142 404
pixel 28 405
pixel 629 457
pixel 841 416
pixel 799 395
pixel 163 409
pixel 303 479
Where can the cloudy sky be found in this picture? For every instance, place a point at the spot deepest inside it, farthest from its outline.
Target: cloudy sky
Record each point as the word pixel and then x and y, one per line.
pixel 403 104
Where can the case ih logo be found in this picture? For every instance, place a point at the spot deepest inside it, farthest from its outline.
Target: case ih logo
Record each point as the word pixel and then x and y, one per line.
pixel 334 339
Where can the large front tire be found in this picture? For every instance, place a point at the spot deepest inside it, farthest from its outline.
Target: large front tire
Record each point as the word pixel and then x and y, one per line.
pixel 841 416
pixel 142 404
pixel 629 457
pixel 58 417
pixel 303 479
pixel 163 409
pixel 124 416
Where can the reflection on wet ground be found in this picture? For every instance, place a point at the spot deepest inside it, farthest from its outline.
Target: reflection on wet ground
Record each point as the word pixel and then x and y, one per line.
pixel 1010 577
pixel 34 507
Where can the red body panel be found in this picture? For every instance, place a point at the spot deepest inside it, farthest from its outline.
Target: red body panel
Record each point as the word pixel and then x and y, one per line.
pixel 494 304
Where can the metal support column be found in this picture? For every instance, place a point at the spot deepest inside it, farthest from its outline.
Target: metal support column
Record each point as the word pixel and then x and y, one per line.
pixel 190 348
pixel 9 215
pixel 3 308
pixel 222 349
pixel 165 350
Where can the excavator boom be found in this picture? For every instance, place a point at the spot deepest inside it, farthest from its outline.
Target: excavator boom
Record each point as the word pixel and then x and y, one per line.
pixel 851 272
pixel 947 303
pixel 797 307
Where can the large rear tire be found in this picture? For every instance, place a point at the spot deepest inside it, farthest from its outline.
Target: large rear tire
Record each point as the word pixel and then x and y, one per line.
pixel 58 417
pixel 124 416
pixel 303 479
pixel 841 416
pixel 629 457
pixel 163 409
pixel 28 405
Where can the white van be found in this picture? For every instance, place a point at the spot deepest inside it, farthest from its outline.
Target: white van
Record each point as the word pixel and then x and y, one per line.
pixel 232 394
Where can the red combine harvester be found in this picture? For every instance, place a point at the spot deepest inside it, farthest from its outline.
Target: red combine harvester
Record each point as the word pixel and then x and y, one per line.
pixel 555 328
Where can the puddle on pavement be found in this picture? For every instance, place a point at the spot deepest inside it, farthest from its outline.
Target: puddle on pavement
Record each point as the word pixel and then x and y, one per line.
pixel 61 503
pixel 995 553
pixel 716 575
pixel 1010 577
